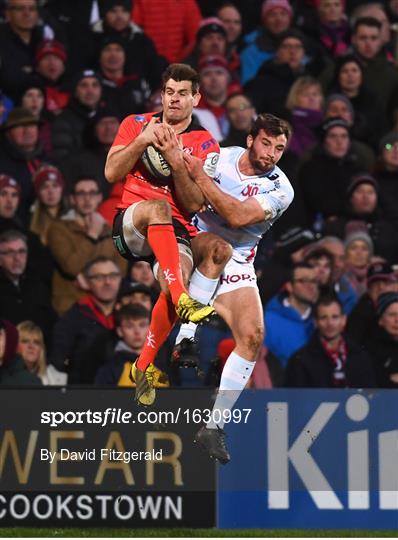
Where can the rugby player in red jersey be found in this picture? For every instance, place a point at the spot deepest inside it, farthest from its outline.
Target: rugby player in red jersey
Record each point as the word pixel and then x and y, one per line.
pixel 155 215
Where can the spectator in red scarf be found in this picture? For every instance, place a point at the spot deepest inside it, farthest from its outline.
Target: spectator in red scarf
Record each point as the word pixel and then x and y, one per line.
pixel 330 360
pixel 92 315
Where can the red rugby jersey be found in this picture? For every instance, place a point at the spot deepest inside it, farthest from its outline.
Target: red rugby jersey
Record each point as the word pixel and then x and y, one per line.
pixel 140 185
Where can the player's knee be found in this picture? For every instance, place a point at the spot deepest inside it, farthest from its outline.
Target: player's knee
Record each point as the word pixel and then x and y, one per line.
pixel 220 251
pixel 160 210
pixel 254 339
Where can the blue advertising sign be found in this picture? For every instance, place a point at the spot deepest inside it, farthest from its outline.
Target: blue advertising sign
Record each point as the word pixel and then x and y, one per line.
pixel 312 459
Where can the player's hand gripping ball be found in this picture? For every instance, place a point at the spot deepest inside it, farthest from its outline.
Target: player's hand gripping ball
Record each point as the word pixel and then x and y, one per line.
pixel 155 163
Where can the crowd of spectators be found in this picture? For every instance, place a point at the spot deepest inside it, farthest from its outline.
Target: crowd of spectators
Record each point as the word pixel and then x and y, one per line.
pixel 71 310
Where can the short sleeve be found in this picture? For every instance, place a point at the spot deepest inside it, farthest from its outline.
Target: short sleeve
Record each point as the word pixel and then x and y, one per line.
pixel 127 132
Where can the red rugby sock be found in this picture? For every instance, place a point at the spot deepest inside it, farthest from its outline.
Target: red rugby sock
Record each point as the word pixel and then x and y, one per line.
pixel 162 321
pixel 163 242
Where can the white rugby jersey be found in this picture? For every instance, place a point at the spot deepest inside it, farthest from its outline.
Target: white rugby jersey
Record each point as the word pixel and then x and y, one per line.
pixel 274 186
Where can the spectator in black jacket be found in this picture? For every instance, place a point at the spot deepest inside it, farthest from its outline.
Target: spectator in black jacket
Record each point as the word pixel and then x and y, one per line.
pixel 383 341
pixel 386 173
pixel 325 176
pixel 131 323
pixel 19 37
pixel 362 212
pixel 68 127
pixel 363 318
pixel 330 360
pixel 21 154
pixel 92 315
pixel 142 60
pixel 23 295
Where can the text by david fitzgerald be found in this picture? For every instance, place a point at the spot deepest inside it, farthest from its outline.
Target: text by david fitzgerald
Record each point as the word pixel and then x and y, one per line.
pixel 101 454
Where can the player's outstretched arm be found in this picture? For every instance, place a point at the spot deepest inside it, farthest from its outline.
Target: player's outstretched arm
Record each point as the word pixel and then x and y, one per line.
pixel 122 158
pixel 236 213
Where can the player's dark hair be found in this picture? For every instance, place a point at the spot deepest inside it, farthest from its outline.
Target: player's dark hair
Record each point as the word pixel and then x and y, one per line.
pixel 366 21
pixel 181 72
pixel 272 125
pixel 327 300
pixel 131 312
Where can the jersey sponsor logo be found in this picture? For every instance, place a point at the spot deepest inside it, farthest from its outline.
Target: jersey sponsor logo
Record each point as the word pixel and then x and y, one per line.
pixel 235 278
pixel 272 176
pixel 210 163
pixel 250 191
pixel 188 150
pixel 139 118
pixel 207 144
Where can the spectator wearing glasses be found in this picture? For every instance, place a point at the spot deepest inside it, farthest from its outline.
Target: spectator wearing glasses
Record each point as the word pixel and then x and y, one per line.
pixel 78 237
pixel 23 294
pixel 288 315
pixel 90 317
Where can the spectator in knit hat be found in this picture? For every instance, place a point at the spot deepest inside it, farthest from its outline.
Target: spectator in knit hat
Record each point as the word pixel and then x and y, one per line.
pixel 386 173
pixel 19 37
pixel 10 193
pixel 325 176
pixel 214 83
pixel 382 343
pixel 12 368
pixel 97 139
pixel 121 89
pixel 211 40
pixel 260 45
pixel 363 211
pixel 78 237
pixel 331 359
pixel 21 153
pixel 49 186
pixel 381 278
pixel 50 66
pixel 142 60
pixel 69 125
pixel 358 254
pixel 349 80
pixel 339 106
pixel 39 259
pixel 23 293
pixel 176 39
pixel 33 99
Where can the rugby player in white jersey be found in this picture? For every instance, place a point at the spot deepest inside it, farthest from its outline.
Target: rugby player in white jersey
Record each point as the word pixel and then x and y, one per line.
pixel 247 195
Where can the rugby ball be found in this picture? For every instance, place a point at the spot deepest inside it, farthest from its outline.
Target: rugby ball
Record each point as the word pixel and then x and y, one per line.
pixel 155 163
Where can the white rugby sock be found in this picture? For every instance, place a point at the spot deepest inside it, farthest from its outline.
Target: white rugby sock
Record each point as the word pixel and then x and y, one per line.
pixel 201 288
pixel 235 375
